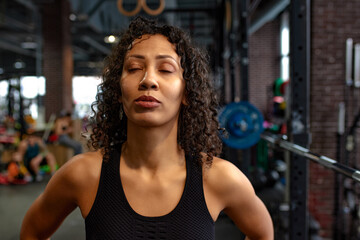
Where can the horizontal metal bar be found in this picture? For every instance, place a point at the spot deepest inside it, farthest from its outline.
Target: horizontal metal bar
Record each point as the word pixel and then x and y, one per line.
pixel 96 45
pixel 5 45
pixel 322 160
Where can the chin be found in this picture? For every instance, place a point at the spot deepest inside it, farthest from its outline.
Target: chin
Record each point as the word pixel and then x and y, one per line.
pixel 153 121
pixel 144 121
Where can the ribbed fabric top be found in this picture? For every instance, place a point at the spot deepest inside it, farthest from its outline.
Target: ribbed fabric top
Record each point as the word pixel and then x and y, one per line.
pixel 111 216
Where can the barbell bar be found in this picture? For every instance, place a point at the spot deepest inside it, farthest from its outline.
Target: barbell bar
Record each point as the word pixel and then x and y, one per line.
pixel 322 160
pixel 243 123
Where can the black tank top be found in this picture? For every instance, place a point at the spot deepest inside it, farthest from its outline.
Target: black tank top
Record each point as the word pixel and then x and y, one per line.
pixel 111 216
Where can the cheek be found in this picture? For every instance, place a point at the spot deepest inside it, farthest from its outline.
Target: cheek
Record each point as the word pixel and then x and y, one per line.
pixel 124 87
pixel 124 96
pixel 177 90
pixel 181 87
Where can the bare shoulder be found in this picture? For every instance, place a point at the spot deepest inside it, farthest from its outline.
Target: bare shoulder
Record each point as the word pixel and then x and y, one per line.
pixel 73 185
pixel 229 190
pixel 84 164
pixel 79 174
pixel 224 177
pixel 227 184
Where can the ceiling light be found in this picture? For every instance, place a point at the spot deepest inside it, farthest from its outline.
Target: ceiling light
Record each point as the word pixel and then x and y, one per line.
pixel 72 17
pixel 19 64
pixel 111 39
pixel 29 45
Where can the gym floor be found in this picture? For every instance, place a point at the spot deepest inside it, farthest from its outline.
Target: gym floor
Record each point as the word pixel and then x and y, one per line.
pixel 15 200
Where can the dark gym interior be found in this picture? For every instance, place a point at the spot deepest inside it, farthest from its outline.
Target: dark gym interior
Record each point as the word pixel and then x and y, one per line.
pixel 295 63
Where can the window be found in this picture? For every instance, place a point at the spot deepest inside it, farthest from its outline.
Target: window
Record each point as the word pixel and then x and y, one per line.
pixel 84 92
pixel 284 47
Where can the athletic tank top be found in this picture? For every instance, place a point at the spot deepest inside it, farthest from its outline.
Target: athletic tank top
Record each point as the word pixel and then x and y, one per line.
pixel 111 216
pixel 32 151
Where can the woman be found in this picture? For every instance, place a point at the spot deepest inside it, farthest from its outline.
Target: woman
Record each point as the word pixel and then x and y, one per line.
pixel 154 174
pixel 34 154
pixel 63 130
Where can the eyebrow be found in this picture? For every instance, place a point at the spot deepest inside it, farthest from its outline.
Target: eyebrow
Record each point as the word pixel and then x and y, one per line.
pixel 135 56
pixel 157 57
pixel 165 56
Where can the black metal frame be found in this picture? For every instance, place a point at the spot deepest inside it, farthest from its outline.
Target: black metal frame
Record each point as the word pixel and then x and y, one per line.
pixel 298 126
pixel 299 120
pixel 236 83
pixel 244 69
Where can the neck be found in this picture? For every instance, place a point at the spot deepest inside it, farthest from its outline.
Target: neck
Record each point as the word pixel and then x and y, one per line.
pixel 152 148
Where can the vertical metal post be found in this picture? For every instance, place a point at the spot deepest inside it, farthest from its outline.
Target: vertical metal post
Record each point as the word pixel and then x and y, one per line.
pixel 244 68
pixel 238 46
pixel 39 57
pixel 339 188
pixel 235 156
pixel 227 52
pixel 21 112
pixel 10 100
pixel 244 53
pixel 235 49
pixel 299 122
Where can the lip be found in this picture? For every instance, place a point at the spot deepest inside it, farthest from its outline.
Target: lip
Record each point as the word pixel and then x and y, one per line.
pixel 147 102
pixel 145 98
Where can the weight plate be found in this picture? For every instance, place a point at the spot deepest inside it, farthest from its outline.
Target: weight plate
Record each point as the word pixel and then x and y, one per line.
pixel 243 123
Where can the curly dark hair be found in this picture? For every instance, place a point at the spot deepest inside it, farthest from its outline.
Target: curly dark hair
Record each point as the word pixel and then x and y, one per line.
pixel 198 125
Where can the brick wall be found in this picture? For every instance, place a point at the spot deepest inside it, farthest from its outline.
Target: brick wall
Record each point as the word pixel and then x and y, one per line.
pixel 264 67
pixel 57 57
pixel 332 23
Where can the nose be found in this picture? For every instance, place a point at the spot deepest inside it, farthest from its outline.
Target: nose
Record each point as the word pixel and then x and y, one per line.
pixel 149 81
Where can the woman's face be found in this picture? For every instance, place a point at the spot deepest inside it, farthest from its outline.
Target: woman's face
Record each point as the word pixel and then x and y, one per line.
pixel 152 83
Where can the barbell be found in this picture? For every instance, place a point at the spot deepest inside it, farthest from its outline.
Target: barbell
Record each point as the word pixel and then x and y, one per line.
pixel 243 123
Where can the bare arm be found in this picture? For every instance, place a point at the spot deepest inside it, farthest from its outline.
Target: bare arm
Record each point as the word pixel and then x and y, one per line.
pixel 50 209
pixel 22 147
pixel 240 202
pixel 41 144
pixel 248 211
pixel 252 217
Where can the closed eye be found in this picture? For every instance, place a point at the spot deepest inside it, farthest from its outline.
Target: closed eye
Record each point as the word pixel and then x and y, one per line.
pixel 134 69
pixel 165 71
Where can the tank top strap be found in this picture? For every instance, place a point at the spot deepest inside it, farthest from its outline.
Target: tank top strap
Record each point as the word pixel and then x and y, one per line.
pixel 195 197
pixel 110 169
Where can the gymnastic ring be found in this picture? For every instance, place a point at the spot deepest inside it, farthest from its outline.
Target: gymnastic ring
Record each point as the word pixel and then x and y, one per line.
pixel 156 11
pixel 129 13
